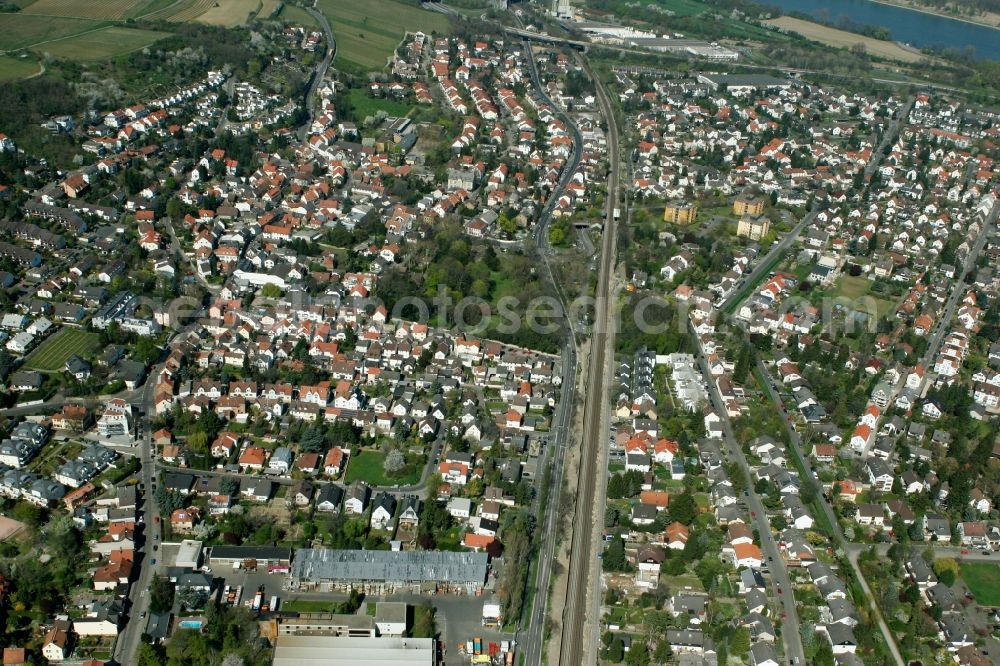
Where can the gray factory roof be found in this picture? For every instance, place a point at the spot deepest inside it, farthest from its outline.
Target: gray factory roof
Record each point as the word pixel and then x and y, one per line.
pixel 316 564
pixel 337 651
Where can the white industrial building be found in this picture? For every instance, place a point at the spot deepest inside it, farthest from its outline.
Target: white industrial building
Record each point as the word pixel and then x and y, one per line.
pixel 345 651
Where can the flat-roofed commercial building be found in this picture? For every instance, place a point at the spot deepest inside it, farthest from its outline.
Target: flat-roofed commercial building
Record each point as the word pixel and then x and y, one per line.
pixel 385 571
pixel 276 559
pixel 342 651
pixel 319 624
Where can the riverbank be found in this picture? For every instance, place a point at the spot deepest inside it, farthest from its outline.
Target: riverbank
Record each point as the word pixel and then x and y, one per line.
pixel 987 19
pixel 844 39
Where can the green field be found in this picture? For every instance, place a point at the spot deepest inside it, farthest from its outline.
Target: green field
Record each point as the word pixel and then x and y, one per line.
pixel 983 579
pixel 368 33
pixel 17 68
pixel 297 15
pixel 368 106
pixel 854 288
pixel 102 44
pixel 366 465
pixel 52 354
pixel 20 30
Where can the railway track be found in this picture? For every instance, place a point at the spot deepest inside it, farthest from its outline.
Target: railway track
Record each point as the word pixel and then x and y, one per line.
pixel 571 651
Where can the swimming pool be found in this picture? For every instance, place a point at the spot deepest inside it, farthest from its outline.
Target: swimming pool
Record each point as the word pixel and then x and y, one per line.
pixel 190 624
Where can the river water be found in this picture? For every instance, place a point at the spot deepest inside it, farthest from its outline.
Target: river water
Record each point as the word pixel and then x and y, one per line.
pixel 905 25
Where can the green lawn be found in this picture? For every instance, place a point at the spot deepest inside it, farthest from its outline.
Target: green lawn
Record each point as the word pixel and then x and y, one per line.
pixel 853 287
pixel 983 578
pixel 368 33
pixel 102 44
pixel 364 105
pixel 52 354
pixel 366 465
pixel 17 68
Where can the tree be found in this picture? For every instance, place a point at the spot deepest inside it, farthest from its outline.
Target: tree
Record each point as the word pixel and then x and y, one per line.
pixel 313 440
pixel 229 485
pixel 662 653
pixel 394 461
pixel 507 225
pixel 946 569
pixel 638 654
pixel 614 556
pixel 270 291
pixel 616 651
pixel 161 596
pixel 683 508
pixel 739 642
pixel 149 655
pixel 198 442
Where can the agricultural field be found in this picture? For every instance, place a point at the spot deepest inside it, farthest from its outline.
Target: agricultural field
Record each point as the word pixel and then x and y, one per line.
pixel 103 43
pixel 112 10
pixel 52 354
pixel 188 11
pixel 20 30
pixel 368 33
pixel 17 68
pixel 844 39
pixel 230 13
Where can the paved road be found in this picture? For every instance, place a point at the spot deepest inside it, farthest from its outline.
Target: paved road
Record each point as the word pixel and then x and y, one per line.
pixel 767 263
pixel 148 514
pixel 888 138
pixel 972 554
pixel 831 516
pixel 320 72
pixel 541 235
pixel 548 515
pixel 943 324
pixel 779 572
pixel 175 247
pixel 228 87
pixel 576 612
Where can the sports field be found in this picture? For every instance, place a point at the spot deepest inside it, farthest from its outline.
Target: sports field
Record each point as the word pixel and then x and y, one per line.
pixel 368 32
pixel 52 354
pixel 9 527
pixel 102 44
pixel 844 39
